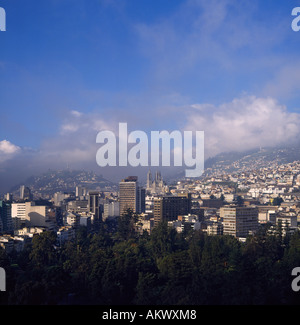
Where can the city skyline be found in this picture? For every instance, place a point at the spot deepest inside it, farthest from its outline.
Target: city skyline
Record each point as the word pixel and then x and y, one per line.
pixel 221 226
pixel 69 70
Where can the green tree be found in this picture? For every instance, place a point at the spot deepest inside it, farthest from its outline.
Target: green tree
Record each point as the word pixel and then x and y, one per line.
pixel 121 273
pixel 126 225
pixel 43 252
pixel 148 289
pixel 177 270
pixel 163 240
pixel 4 259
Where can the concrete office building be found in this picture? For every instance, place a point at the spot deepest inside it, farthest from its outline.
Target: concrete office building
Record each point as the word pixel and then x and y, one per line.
pixel 239 221
pixel 80 191
pixel 25 193
pixel 131 195
pixel 6 224
pixel 20 210
pixel 111 209
pixel 94 205
pixel 29 214
pixel 78 206
pixel 170 207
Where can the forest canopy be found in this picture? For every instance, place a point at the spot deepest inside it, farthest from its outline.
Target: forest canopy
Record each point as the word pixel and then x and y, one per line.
pixel 115 266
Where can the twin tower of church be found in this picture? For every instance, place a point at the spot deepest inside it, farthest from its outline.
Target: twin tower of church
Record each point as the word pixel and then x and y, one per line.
pixel 157 184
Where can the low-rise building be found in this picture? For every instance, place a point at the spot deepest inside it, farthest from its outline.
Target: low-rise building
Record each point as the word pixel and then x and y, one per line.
pixel 65 233
pixel 214 228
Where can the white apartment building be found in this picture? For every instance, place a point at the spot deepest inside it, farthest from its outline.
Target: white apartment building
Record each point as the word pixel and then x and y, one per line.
pixel 111 209
pixel 32 215
pixel 287 220
pixel 20 210
pixel 73 219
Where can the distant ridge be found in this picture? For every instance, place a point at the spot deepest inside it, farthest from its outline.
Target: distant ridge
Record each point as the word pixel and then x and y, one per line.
pixel 229 162
pixel 66 180
pixel 46 184
pixel 251 159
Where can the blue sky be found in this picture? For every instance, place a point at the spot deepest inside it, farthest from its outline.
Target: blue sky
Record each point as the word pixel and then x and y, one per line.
pixel 69 68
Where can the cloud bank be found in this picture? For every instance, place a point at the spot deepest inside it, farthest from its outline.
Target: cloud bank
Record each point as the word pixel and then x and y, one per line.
pixel 245 123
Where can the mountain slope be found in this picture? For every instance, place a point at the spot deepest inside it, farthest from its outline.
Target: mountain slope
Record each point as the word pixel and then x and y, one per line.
pixel 65 181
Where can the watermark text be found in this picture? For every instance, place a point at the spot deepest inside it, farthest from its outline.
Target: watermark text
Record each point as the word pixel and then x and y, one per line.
pixel 296 21
pixel 2 279
pixel 135 149
pixel 2 20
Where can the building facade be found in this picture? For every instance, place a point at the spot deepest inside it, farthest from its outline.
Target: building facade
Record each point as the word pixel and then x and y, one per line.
pixel 170 207
pixel 94 205
pixel 25 193
pixel 29 214
pixel 157 184
pixel 239 221
pixel 131 195
pixel 6 224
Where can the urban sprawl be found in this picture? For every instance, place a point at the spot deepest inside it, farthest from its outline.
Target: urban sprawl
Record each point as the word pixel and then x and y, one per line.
pixel 236 204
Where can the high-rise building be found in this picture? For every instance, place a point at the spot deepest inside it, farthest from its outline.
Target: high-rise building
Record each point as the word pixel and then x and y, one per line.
pixel 132 196
pixel 170 207
pixel 141 200
pixel 5 216
pixel 149 180
pixel 111 209
pixel 80 191
pixel 59 198
pixel 8 197
pixel 239 221
pixel 25 193
pixel 94 205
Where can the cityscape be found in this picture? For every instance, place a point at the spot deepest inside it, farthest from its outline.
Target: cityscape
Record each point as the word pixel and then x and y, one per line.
pixel 149 158
pixel 271 194
pixel 244 205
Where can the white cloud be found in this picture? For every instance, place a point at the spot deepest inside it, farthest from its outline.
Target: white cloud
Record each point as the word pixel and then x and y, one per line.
pixel 68 127
pixel 7 147
pixel 244 123
pixel 76 113
pixel 75 145
pixel 83 123
pixel 7 150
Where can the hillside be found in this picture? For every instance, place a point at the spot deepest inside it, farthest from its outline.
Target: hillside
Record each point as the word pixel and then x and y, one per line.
pixel 229 162
pixel 52 181
pixel 65 181
pixel 262 157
